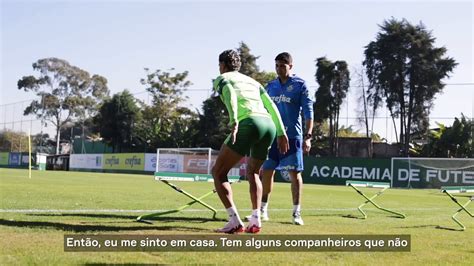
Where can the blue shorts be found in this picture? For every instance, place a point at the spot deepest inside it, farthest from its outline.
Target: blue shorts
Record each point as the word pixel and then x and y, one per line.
pixel 290 161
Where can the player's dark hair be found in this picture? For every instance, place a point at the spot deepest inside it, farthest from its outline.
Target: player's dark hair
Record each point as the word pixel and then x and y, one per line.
pixel 284 57
pixel 231 60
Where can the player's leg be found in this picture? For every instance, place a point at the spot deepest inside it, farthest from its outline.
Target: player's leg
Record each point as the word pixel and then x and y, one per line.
pixel 258 153
pixel 226 159
pixel 255 183
pixel 292 161
pixel 229 155
pixel 267 181
pixel 255 189
pixel 268 173
pixel 296 192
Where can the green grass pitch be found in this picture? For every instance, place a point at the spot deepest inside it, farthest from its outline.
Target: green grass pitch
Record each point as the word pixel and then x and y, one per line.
pixel 109 204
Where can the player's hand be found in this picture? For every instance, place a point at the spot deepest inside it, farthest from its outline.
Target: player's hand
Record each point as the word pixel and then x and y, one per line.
pixel 306 146
pixel 283 145
pixel 235 129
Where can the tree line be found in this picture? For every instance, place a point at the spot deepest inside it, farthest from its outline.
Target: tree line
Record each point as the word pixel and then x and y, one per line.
pixel 402 71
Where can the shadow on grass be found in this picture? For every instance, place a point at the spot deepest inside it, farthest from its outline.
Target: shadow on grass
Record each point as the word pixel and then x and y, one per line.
pixel 93 228
pixel 90 215
pixel 432 226
pixel 131 217
pixel 448 228
pixel 324 215
pixel 187 219
pixel 362 218
pixel 419 226
pixel 353 217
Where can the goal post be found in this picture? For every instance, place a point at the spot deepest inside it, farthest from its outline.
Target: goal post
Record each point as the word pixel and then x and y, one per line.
pixel 187 164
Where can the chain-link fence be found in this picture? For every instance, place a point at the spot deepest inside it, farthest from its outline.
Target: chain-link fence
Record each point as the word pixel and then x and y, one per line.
pixel 455 99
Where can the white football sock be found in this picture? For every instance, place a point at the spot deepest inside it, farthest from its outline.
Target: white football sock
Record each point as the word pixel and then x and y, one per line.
pixel 256 213
pixel 297 208
pixel 233 214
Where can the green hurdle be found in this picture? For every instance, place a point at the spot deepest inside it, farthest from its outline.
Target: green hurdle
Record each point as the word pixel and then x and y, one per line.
pixel 166 177
pixel 459 190
pixel 380 185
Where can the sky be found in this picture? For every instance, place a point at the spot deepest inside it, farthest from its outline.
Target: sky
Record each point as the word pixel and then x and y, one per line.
pixel 118 39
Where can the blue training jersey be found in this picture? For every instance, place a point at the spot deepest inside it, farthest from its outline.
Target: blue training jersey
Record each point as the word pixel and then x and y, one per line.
pixel 291 98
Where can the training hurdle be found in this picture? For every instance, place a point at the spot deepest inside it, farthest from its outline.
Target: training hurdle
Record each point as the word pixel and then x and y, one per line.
pixel 459 190
pixel 166 177
pixel 380 185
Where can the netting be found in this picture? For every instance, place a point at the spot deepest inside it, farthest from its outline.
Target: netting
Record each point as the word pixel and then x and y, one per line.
pixel 190 160
pixel 432 172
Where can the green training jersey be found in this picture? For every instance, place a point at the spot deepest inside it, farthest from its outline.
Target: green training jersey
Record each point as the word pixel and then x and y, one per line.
pixel 245 97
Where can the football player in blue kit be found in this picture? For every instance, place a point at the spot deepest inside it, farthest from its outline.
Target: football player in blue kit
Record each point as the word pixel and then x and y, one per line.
pixel 290 95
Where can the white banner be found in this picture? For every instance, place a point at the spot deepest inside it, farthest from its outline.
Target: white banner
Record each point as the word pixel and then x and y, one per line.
pixel 25 159
pixel 168 163
pixel 86 161
pixel 150 162
pixel 40 158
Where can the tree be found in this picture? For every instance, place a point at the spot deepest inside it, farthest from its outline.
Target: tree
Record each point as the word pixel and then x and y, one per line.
pixel 249 65
pixel 321 144
pixel 213 121
pixel 13 141
pixel 324 76
pixel 455 141
pixel 349 132
pixel 333 79
pixel 166 123
pixel 213 124
pixel 339 90
pixel 65 92
pixel 42 143
pixel 362 110
pixel 85 128
pixel 405 69
pixel 116 120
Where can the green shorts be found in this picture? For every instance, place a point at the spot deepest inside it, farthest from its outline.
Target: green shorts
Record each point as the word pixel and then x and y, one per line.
pixel 254 137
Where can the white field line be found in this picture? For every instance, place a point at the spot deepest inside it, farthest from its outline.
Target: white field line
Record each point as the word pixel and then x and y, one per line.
pixel 189 210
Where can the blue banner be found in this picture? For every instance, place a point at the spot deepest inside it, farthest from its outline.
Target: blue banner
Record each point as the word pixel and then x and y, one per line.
pixel 15 159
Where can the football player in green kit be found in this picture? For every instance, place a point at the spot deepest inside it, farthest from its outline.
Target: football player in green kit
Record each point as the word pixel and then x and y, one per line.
pixel 254 120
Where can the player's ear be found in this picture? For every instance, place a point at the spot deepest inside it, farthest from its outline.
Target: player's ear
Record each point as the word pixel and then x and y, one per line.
pixel 221 67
